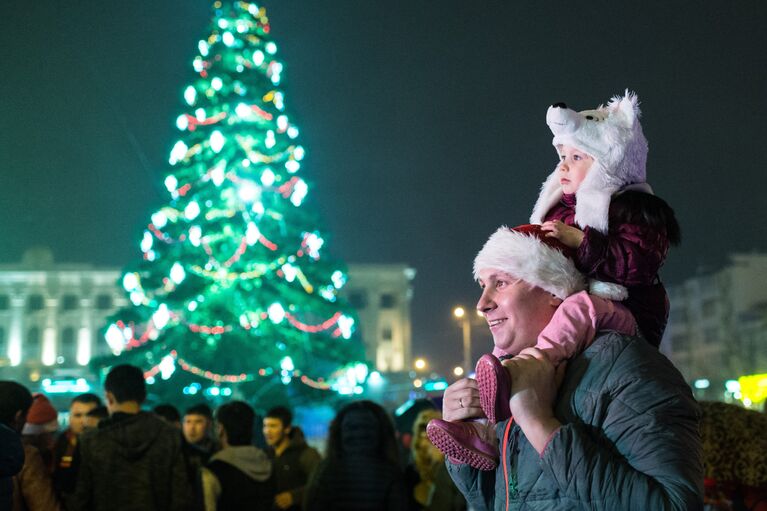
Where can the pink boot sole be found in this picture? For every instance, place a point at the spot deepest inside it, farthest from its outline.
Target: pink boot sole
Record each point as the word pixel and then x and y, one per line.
pixel 470 450
pixel 494 388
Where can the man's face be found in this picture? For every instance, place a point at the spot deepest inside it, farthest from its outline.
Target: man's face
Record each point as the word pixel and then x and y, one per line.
pixel 274 431
pixel 77 414
pixel 515 311
pixel 195 427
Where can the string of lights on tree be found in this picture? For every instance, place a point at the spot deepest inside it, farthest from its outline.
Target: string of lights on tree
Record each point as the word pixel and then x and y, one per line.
pixel 234 284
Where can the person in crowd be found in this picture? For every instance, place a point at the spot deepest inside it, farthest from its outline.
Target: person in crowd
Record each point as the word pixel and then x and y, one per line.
pixel 11 462
pixel 42 423
pixel 31 486
pixel 293 459
pixel 616 427
pixel 134 459
pixel 197 430
pixel 94 418
pixel 169 414
pixel 428 484
pixel 66 455
pixel 362 470
pixel 240 472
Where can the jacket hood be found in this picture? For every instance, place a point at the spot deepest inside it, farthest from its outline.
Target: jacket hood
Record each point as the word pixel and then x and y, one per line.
pixel 132 435
pixel 248 459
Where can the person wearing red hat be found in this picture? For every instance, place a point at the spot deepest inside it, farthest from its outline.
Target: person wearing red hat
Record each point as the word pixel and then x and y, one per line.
pixel 42 423
pixel 616 427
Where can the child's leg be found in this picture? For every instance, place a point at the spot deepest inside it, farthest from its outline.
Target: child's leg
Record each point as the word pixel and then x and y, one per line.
pixel 470 442
pixel 576 322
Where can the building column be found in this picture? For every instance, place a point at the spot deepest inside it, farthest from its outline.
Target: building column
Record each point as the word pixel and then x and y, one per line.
pixel 50 333
pixel 85 334
pixel 15 332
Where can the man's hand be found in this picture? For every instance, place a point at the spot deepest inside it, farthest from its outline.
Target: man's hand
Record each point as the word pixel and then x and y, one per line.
pixel 283 500
pixel 461 401
pixel 569 236
pixel 534 387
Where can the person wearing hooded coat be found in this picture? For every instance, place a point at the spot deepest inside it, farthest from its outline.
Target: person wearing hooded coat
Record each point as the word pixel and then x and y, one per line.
pixel 362 470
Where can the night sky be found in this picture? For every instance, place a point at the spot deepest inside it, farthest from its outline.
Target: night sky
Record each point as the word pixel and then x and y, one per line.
pixel 424 123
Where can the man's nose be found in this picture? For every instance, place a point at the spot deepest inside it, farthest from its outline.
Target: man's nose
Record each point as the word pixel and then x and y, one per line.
pixel 485 303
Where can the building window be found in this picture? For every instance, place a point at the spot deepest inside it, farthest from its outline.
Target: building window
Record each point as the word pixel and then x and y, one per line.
pixel 358 299
pixel 386 334
pixel 103 302
pixel 68 349
pixel 69 302
pixel 32 344
pixel 5 303
pixel 388 301
pixel 35 303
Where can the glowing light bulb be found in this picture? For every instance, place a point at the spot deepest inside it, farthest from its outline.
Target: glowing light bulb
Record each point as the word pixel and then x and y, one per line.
pixel 195 233
pixel 338 279
pixel 161 316
pixel 258 208
pixel 290 272
pixel 292 132
pixel 222 23
pixel 171 183
pixel 276 313
pixel 299 153
pixel 271 48
pixel 279 100
pixel 192 210
pixel 282 122
pixel 146 242
pixel 286 364
pixel 167 367
pixel 182 122
pixel 217 174
pixel 228 38
pixel 200 114
pixel 270 141
pixel 198 65
pixel 130 281
pixel 217 141
pixel 258 57
pixel 114 338
pixel 267 177
pixel 178 152
pixel 243 110
pixel 159 219
pixel 299 192
pixel 177 273
pixel 248 190
pixel 252 234
pixel 292 166
pixel 204 48
pixel 345 324
pixel 190 95
pixel 216 83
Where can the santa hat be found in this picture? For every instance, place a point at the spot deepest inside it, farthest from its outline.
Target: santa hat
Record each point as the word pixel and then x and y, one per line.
pixel 613 136
pixel 41 418
pixel 525 252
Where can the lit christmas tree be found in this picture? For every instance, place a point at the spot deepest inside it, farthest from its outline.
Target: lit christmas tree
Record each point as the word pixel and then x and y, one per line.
pixel 235 288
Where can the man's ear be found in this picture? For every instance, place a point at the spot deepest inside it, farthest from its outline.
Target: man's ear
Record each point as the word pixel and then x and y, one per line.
pixel 555 301
pixel 110 398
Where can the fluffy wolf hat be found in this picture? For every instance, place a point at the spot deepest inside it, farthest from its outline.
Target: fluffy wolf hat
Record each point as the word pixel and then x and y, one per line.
pixel 525 252
pixel 613 136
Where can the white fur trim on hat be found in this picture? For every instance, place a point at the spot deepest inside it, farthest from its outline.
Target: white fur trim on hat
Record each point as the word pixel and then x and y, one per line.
pixel 608 290
pixel 613 136
pixel 526 257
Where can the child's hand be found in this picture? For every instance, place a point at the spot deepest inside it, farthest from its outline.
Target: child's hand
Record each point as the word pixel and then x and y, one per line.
pixel 570 236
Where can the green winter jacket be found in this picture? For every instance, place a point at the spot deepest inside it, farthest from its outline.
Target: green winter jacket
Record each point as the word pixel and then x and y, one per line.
pixel 629 440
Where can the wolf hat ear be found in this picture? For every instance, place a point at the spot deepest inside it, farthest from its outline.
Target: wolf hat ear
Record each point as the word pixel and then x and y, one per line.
pixel 613 136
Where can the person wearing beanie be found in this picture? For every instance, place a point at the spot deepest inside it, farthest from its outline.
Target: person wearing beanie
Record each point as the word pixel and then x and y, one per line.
pixel 597 201
pixel 31 486
pixel 616 427
pixel 546 263
pixel 15 401
pixel 66 450
pixel 42 423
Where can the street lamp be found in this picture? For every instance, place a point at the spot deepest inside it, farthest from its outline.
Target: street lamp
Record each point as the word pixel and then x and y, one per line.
pixel 420 364
pixel 458 371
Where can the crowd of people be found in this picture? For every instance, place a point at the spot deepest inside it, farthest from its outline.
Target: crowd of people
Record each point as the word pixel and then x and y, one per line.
pixel 116 456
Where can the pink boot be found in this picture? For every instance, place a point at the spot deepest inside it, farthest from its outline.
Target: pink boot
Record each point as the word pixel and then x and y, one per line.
pixel 470 443
pixel 494 388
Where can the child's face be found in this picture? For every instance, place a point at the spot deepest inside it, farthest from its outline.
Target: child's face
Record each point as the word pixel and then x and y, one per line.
pixel 574 166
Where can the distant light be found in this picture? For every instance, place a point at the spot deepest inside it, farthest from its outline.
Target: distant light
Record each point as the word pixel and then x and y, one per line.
pixel 459 312
pixel 204 48
pixel 417 383
pixel 270 141
pixel 375 379
pixel 130 281
pixel 258 57
pixel 286 364
pixel 216 83
pixel 171 183
pixel 267 177
pixel 276 313
pixel 420 364
pixel 161 316
pixel 195 232
pixel 159 219
pixel 346 325
pixel 732 386
pixel 271 48
pixel 167 367
pixel 248 191
pixel 299 153
pixel 178 152
pixel 703 383
pixel 222 23
pixel 190 95
pixel 252 234
pixel 458 371
pixel 192 210
pixel 177 273
pixel 242 110
pixel 282 122
pixel 292 132
pixel 292 166
pixel 182 122
pixel 228 38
